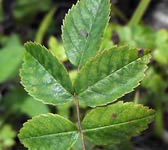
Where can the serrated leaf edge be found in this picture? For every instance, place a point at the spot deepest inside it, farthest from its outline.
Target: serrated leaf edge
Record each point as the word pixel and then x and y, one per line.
pixel 127 137
pixel 118 124
pixel 47 115
pixel 24 86
pixel 75 6
pixel 94 58
pixel 99 53
pixel 90 29
pixel 151 117
pixel 43 47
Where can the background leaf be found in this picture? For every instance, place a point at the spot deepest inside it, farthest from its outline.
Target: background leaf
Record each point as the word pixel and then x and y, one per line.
pixel 45 25
pixel 10 58
pixel 18 101
pixel 116 123
pixel 28 9
pixel 7 137
pixel 161 51
pixel 33 107
pixel 1 11
pixel 136 36
pixel 106 42
pixel 83 27
pixel 57 49
pixel 48 132
pixel 110 75
pixel 44 77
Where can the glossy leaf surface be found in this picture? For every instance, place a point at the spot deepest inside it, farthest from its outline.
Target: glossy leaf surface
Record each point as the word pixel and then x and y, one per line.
pixel 116 123
pixel 44 77
pixel 48 132
pixel 83 27
pixel 110 75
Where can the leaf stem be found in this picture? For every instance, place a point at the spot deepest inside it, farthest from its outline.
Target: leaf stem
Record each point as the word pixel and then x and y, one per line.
pixel 139 12
pixel 44 25
pixel 117 12
pixel 79 122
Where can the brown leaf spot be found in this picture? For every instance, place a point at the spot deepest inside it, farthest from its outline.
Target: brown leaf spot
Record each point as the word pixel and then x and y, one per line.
pixel 115 38
pixel 114 115
pixel 84 34
pixel 140 52
pixel 34 89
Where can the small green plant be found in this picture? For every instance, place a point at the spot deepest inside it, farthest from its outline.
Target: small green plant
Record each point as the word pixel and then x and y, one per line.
pixel 103 77
pixel 7 136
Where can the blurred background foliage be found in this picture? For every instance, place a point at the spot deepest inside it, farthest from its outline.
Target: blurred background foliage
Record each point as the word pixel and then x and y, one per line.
pixel 143 27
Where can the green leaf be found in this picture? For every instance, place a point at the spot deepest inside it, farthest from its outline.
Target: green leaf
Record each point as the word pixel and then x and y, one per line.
pixel 161 53
pixel 78 145
pixel 116 123
pixel 107 42
pixel 48 132
pixel 63 110
pixel 57 49
pixel 139 12
pixel 44 77
pixel 7 136
pixel 110 75
pixel 17 101
pixel 33 107
pixel 154 82
pixel 29 9
pixel 45 25
pixel 137 36
pixel 1 12
pixel 83 27
pixel 10 58
pixel 73 74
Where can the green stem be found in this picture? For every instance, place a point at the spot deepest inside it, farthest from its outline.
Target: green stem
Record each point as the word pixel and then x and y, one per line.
pixel 136 98
pixel 139 12
pixel 118 13
pixel 79 123
pixel 159 120
pixel 44 25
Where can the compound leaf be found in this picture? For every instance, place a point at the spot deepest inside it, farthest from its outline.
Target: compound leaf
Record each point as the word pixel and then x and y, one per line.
pixel 83 27
pixel 44 77
pixel 48 132
pixel 110 75
pixel 116 123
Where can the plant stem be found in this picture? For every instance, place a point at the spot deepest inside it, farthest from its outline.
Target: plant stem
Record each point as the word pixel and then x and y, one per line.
pixel 79 123
pixel 117 12
pixel 44 25
pixel 139 12
pixel 136 98
pixel 159 119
